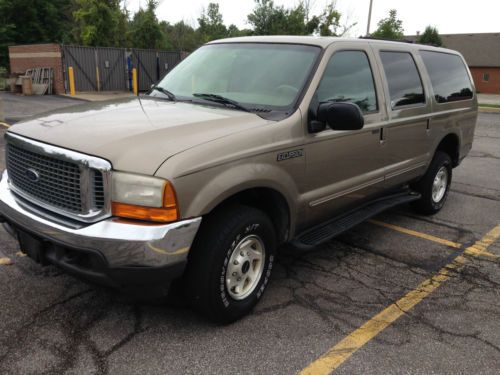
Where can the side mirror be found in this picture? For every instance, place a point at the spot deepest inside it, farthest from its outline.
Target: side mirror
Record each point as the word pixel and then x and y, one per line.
pixel 340 116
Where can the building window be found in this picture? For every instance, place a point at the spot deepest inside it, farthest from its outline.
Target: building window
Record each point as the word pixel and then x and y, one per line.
pixel 486 77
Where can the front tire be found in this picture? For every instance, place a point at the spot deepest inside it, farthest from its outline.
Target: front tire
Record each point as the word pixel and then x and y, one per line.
pixel 230 263
pixel 435 185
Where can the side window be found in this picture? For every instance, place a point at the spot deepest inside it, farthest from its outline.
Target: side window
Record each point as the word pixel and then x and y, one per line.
pixel 348 78
pixel 405 85
pixel 449 77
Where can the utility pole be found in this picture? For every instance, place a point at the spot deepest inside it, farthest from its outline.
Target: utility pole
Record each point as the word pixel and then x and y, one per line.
pixel 369 19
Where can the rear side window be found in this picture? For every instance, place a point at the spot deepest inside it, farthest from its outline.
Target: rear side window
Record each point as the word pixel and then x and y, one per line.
pixel 405 85
pixel 348 78
pixel 449 77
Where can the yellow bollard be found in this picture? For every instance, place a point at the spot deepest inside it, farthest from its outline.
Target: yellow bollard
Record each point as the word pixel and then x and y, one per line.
pixel 134 81
pixel 97 79
pixel 71 81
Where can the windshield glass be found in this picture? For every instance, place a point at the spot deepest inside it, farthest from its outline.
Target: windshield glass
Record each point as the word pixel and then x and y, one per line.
pixel 255 75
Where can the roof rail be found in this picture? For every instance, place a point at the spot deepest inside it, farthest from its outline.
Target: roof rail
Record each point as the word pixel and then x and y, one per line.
pixel 387 40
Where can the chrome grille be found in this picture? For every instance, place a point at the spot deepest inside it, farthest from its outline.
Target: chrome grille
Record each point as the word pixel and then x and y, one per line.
pixel 59 180
pixel 98 190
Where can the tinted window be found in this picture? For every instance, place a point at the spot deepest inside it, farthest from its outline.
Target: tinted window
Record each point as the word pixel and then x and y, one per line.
pixel 405 86
pixel 449 77
pixel 348 78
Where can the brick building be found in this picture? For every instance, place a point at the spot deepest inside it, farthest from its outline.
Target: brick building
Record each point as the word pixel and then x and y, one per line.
pixel 482 53
pixel 25 57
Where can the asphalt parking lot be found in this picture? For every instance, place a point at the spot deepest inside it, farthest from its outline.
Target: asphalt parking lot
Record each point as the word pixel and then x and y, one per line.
pixel 19 107
pixel 401 294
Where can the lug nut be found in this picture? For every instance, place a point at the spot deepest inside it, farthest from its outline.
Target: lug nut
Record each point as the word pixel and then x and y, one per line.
pixel 234 273
pixel 236 262
pixel 242 253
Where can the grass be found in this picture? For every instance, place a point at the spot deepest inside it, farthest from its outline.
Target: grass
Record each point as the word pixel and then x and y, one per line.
pixel 489 105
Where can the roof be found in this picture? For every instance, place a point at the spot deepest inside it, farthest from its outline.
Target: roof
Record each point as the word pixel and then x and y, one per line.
pixel 479 50
pixel 320 41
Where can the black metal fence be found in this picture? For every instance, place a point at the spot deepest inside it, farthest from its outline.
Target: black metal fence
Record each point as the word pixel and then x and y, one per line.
pixel 110 69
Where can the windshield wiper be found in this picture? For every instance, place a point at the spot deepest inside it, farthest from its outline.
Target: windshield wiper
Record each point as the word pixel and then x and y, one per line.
pixel 170 95
pixel 223 100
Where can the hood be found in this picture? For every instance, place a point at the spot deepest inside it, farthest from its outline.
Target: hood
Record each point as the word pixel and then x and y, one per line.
pixel 136 135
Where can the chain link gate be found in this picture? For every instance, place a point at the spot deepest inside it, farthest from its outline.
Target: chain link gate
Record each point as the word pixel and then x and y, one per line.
pixel 152 65
pixel 106 68
pixel 83 61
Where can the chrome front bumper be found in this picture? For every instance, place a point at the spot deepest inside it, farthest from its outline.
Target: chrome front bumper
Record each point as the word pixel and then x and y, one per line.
pixel 122 244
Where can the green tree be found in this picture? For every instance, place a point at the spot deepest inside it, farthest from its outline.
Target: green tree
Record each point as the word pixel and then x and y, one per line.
pixel 328 23
pixel 269 19
pixel 145 31
pixel 390 27
pixel 99 23
pixel 33 21
pixel 233 31
pixel 430 36
pixel 181 36
pixel 211 24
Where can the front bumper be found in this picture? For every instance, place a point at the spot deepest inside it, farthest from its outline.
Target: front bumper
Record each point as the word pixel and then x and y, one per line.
pixel 112 251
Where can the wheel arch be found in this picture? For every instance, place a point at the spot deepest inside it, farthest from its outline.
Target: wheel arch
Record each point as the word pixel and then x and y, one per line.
pixel 272 202
pixel 451 145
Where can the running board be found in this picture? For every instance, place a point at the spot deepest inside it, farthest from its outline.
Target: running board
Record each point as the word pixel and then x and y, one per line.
pixel 326 231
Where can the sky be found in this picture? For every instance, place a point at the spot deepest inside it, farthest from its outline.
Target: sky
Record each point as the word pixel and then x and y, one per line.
pixel 449 16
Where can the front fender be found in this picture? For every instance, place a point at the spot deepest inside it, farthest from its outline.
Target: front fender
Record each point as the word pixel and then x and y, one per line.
pixel 200 193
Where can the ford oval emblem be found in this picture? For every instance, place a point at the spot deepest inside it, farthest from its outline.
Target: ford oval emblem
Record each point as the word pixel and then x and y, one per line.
pixel 32 175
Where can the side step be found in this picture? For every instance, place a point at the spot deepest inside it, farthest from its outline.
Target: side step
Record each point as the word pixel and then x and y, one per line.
pixel 326 231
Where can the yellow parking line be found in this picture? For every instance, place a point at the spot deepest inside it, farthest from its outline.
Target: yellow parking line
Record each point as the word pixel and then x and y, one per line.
pixel 350 344
pixel 5 261
pixel 5 125
pixel 481 250
pixel 414 233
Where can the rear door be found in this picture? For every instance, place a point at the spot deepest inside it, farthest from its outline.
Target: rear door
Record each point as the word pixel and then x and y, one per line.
pixel 406 136
pixel 345 168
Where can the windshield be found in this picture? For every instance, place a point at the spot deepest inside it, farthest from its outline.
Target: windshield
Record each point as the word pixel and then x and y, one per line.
pixel 269 76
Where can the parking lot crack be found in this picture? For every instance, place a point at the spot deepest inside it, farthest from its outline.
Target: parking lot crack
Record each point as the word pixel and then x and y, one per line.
pixel 138 329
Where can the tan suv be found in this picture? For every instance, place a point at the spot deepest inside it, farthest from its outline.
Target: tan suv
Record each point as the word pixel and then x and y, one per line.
pixel 247 144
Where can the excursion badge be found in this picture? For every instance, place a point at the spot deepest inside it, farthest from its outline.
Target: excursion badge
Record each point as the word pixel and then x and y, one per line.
pixel 290 155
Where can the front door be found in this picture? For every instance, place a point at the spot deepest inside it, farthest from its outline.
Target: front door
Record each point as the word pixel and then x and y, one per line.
pixel 345 168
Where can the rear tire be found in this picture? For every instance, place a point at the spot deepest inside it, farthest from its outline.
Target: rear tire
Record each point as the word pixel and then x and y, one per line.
pixel 434 186
pixel 230 263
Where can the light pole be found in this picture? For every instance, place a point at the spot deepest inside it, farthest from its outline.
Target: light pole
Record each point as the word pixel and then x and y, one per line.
pixel 369 19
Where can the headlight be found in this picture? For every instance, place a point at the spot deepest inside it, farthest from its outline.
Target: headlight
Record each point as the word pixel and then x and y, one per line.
pixel 143 198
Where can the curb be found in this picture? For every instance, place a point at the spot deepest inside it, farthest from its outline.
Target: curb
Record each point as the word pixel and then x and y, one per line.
pixel 67 96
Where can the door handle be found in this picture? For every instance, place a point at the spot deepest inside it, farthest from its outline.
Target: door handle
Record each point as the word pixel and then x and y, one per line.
pixel 382 136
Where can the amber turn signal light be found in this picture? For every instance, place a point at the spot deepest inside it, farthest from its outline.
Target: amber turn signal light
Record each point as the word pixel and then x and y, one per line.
pixel 165 214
